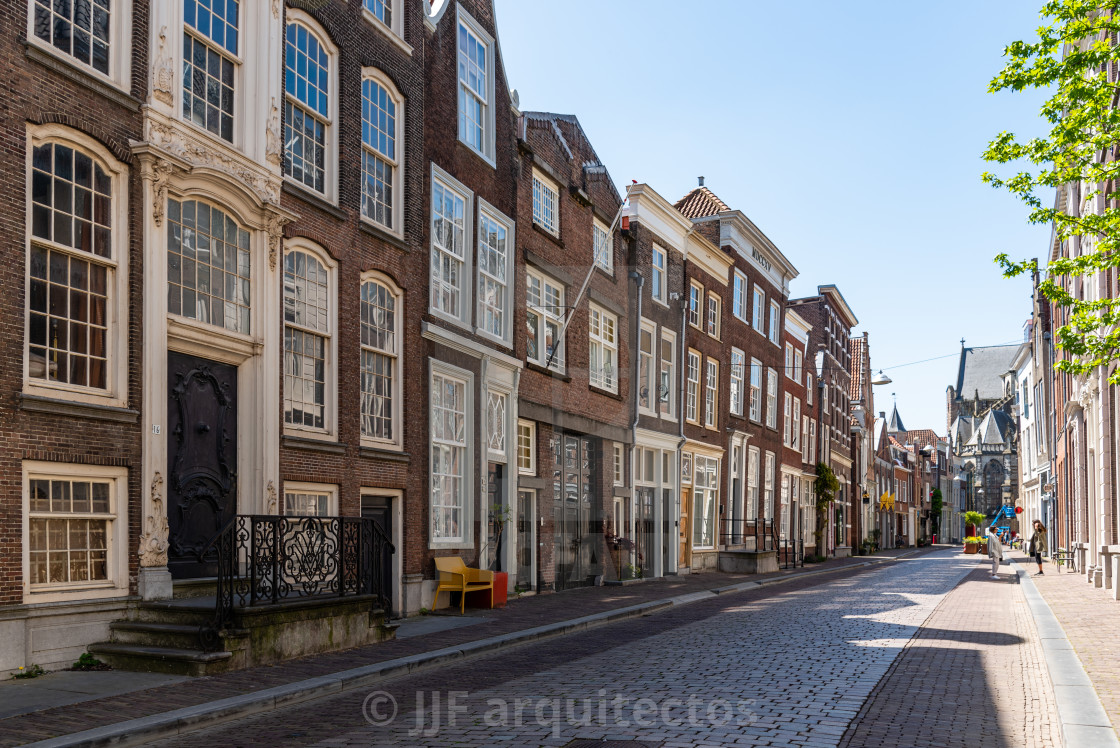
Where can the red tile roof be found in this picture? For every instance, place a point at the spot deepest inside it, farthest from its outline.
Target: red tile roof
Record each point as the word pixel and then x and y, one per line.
pixel 700 203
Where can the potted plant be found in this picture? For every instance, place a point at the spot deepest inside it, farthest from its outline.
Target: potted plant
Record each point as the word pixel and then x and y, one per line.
pixel 972 522
pixel 971 544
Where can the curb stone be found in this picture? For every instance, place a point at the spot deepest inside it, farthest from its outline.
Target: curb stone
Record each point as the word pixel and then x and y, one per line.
pixel 1081 715
pixel 188 719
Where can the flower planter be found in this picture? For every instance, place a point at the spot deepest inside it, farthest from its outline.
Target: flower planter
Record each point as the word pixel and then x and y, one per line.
pixel 971 547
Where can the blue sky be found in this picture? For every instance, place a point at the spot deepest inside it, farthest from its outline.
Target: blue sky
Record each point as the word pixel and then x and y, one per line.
pixel 851 133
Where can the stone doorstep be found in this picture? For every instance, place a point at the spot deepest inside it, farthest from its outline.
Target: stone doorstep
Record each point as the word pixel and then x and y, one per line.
pixel 188 719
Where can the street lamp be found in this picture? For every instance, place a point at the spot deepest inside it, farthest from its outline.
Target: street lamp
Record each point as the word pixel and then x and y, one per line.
pixel 881 378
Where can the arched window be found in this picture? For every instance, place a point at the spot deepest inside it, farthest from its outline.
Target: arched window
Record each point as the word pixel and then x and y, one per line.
pixel 308 327
pixel 307 107
pixel 72 267
pixel 207 266
pixel 382 114
pixel 381 341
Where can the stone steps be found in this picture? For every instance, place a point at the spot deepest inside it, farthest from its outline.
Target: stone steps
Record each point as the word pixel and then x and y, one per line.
pixel 154 659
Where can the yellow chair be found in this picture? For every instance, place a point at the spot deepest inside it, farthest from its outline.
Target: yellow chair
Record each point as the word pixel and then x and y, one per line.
pixel 455 576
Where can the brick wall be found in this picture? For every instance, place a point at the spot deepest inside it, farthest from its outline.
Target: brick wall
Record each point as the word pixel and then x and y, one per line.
pixel 41 88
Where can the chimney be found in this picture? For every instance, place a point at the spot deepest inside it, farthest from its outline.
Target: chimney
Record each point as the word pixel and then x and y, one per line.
pixel 883 414
pixel 701 181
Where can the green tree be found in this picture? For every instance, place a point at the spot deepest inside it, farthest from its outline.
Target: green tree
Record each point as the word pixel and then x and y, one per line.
pixel 826 487
pixel 1071 60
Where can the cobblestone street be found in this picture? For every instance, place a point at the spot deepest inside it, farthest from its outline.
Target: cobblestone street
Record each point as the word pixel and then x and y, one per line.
pixel 793 669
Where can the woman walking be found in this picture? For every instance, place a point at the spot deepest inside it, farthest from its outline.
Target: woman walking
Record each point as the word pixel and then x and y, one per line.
pixel 1037 543
pixel 995 551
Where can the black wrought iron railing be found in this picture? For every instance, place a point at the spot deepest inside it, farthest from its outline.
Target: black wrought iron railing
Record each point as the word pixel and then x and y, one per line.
pixel 266 559
pixel 791 553
pixel 757 534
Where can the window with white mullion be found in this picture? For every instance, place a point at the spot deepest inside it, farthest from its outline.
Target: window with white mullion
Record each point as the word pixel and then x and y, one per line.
pixel 546 204
pixel 692 394
pixel 527 447
pixel 493 271
pixel 772 398
pixel 382 10
pixel 756 390
pixel 381 108
pixel 795 432
pixel 72 268
pixel 474 89
pixel 752 483
pixel 449 457
pixel 497 426
pixel 768 487
pixel 544 302
pixel 775 322
pixel 210 49
pixel 603 247
pixel 711 394
pixel 738 365
pixel 307 115
pixel 647 388
pixel 449 237
pixel 657 284
pixel 603 360
pixel 208 266
pixel 380 378
pixel 787 415
pixel 759 311
pixel 739 296
pixel 70 529
pixel 668 381
pixel 79 28
pixel 307 336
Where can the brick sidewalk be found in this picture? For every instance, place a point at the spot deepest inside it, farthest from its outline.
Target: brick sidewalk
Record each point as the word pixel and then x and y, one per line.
pixel 974 674
pixel 1091 619
pixel 517 616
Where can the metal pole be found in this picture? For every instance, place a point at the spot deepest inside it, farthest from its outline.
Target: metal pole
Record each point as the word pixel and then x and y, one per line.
pixel 586 282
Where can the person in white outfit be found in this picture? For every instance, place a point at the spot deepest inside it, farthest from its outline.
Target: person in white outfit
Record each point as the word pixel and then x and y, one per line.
pixel 995 551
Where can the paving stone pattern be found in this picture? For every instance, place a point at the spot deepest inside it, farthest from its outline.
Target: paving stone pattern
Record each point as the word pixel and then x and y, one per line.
pixel 743 669
pixel 1091 620
pixel 974 674
pixel 518 615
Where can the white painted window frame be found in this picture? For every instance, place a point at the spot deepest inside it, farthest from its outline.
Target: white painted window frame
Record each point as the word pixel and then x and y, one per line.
pixel 692 387
pixel 330 354
pixel 488 211
pixel 771 398
pixel 602 246
pixel 330 490
pixel 738 379
pixel 605 344
pixel 117 312
pixel 465 539
pixel 739 287
pixel 560 361
pixel 394 30
pixel 529 427
pixel 473 27
pixel 658 275
pixel 117 538
pixel 397 354
pixel 711 393
pixel 755 391
pixel 544 186
pixel 120 46
pixel 466 276
pixel 651 379
pixel 330 166
pixel 397 229
pixel 670 363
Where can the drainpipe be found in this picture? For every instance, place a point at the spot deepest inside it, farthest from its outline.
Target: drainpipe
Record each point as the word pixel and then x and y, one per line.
pixel 683 347
pixel 639 282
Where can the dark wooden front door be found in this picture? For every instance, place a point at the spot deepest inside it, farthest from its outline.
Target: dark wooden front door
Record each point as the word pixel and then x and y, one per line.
pixel 202 459
pixel 379 509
